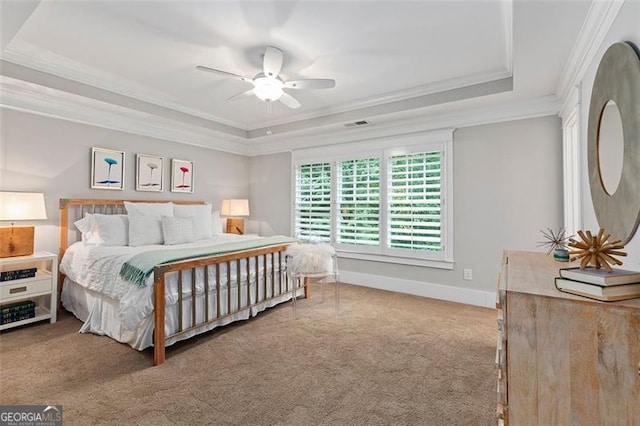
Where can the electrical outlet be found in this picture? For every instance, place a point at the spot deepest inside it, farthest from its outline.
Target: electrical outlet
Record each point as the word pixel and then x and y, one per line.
pixel 467 274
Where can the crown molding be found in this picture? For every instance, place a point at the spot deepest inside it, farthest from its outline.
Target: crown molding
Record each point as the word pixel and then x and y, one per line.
pixel 63 67
pixel 337 134
pixel 40 78
pixel 32 98
pixel 597 24
pixel 571 101
pixel 402 106
pixel 36 99
pixel 388 99
pixel 26 55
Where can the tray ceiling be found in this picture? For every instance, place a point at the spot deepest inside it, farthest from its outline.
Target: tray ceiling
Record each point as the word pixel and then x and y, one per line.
pixel 387 58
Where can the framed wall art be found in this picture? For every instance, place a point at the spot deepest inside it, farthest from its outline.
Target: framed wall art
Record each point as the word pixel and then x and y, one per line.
pixel 181 176
pixel 149 173
pixel 107 169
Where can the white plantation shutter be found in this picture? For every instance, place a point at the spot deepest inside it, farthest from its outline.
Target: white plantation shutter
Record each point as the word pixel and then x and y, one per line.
pixel 313 202
pixel 414 201
pixel 359 202
pixel 387 200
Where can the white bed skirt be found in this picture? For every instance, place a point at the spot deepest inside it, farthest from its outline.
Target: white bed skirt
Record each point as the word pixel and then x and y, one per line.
pixel 100 314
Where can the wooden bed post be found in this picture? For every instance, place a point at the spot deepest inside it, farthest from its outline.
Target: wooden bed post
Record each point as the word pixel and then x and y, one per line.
pixel 64 243
pixel 158 331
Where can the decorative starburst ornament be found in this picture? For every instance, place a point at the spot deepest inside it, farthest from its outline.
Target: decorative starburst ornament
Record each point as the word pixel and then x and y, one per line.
pixel 556 239
pixel 595 250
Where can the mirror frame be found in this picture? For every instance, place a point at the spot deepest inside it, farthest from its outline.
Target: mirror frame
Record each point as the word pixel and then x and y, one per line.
pixel 617 79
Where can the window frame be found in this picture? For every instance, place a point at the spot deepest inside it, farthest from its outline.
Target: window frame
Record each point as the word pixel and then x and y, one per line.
pixel 391 251
pixel 384 148
pixel 571 115
pixel 337 160
pixel 331 197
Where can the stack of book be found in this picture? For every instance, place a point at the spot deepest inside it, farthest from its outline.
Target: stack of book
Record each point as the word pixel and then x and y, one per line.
pixel 599 284
pixel 18 274
pixel 17 311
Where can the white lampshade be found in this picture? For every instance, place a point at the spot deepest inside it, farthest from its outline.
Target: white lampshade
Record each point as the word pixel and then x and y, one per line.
pixel 234 208
pixel 22 206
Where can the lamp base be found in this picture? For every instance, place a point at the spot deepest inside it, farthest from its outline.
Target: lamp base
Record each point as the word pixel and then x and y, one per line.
pixel 16 241
pixel 235 226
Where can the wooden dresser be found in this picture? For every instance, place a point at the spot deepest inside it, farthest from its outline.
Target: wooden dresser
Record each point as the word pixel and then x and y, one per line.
pixel 563 359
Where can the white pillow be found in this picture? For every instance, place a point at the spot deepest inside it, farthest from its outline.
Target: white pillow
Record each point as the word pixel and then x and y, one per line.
pixel 85 226
pixel 144 222
pixel 216 224
pixel 112 229
pixel 105 230
pixel 177 230
pixel 200 213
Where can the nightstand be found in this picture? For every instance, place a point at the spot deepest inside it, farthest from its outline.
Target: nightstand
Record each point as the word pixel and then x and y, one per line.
pixel 41 289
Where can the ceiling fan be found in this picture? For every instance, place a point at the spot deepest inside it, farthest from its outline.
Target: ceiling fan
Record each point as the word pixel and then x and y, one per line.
pixel 268 86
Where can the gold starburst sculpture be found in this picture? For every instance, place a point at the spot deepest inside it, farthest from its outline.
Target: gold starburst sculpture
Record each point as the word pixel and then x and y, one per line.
pixel 596 250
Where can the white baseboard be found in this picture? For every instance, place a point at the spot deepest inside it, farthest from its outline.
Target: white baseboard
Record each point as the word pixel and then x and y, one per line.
pixel 486 299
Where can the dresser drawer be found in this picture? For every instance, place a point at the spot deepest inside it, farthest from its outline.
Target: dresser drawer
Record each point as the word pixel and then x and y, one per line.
pixel 26 287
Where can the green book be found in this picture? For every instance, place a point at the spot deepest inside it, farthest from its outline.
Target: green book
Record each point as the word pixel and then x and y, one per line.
pixel 18 317
pixel 17 306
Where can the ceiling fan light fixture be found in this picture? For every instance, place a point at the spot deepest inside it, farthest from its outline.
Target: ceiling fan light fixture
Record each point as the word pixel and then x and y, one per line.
pixel 268 85
pixel 267 88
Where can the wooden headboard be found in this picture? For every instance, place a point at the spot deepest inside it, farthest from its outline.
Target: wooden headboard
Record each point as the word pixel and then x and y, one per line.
pixel 72 209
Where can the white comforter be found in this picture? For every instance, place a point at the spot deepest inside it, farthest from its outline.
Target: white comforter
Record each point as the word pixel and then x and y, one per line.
pixel 98 268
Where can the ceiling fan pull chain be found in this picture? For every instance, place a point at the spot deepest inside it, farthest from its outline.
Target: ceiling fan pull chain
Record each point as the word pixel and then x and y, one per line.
pixel 269 103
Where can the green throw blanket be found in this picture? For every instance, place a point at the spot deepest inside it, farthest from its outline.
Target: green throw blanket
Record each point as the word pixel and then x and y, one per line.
pixel 139 267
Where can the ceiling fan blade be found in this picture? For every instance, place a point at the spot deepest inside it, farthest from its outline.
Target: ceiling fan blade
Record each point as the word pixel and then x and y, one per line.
pixel 225 73
pixel 312 83
pixel 241 95
pixel 289 101
pixel 272 62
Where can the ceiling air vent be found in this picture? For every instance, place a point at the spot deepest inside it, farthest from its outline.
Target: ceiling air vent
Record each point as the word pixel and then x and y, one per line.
pixel 358 123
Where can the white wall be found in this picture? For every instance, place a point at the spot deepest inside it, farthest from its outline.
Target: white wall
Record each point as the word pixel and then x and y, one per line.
pixel 48 155
pixel 626 27
pixel 270 194
pixel 507 187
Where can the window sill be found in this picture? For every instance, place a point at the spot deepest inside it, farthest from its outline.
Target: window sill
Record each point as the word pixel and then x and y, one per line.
pixel 428 263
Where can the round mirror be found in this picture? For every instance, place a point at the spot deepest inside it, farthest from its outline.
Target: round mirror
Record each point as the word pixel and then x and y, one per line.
pixel 613 132
pixel 610 147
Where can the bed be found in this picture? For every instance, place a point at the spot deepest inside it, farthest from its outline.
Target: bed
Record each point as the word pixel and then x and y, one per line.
pixel 144 293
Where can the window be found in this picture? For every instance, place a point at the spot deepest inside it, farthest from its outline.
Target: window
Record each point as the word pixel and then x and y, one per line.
pixel 313 202
pixel 414 201
pixel 359 202
pixel 388 204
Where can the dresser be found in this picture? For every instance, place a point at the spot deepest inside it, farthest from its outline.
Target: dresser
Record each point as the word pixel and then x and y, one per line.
pixel 563 359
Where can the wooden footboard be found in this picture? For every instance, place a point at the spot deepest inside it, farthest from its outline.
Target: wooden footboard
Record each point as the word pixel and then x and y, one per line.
pixel 259 278
pixel 269 282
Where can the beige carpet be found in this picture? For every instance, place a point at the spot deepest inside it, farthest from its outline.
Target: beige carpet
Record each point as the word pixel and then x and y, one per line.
pixel 389 359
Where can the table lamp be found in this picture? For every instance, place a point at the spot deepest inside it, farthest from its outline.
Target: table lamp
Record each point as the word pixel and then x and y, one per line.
pixel 18 240
pixel 234 210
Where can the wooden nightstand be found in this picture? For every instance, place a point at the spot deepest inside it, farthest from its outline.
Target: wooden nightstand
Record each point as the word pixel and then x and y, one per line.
pixel 41 289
